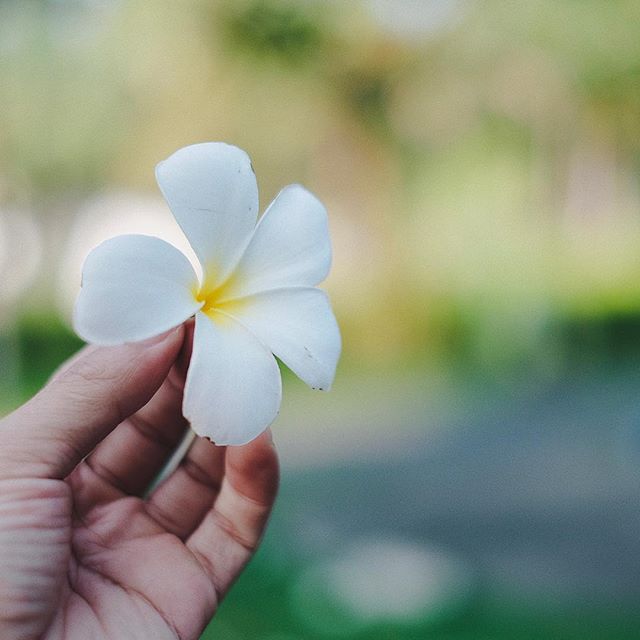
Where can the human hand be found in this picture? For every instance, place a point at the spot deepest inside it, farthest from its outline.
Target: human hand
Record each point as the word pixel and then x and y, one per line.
pixel 82 553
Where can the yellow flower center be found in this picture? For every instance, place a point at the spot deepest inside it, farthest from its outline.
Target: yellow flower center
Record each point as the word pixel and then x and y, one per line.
pixel 214 297
pixel 209 298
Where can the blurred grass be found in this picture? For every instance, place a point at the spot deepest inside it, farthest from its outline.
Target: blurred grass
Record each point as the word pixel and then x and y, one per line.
pixel 260 604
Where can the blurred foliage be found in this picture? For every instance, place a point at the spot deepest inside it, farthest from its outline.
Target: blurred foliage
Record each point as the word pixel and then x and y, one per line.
pixel 481 174
pixel 479 160
pixel 43 345
pixel 288 32
pixel 263 589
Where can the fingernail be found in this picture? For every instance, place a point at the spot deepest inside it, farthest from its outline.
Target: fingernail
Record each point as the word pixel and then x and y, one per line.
pixel 271 440
pixel 149 342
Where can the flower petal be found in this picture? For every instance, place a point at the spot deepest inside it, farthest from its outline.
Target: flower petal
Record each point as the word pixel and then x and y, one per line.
pixel 212 192
pixel 233 388
pixel 290 246
pixel 298 325
pixel 133 287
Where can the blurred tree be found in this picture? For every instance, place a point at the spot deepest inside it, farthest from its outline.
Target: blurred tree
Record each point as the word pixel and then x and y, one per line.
pixel 274 30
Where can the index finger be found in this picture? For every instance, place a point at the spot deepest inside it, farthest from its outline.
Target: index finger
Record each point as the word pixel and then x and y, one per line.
pixel 49 436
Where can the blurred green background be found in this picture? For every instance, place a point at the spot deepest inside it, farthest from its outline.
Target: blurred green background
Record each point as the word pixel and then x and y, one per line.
pixel 474 472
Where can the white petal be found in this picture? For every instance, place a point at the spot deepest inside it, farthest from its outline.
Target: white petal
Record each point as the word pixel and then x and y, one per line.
pixel 212 192
pixel 134 287
pixel 233 387
pixel 290 246
pixel 298 325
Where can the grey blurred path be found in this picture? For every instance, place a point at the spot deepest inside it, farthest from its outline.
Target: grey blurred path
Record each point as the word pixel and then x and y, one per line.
pixel 538 492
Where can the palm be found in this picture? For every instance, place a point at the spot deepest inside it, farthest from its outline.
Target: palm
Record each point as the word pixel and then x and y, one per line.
pixel 123 561
pixel 87 556
pixel 123 575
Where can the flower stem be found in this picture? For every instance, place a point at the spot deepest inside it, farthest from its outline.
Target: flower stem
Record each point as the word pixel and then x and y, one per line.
pixel 175 460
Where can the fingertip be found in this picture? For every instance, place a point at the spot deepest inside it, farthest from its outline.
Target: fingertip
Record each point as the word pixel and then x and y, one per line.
pixel 254 468
pixel 269 434
pixel 135 370
pixel 261 447
pixel 165 340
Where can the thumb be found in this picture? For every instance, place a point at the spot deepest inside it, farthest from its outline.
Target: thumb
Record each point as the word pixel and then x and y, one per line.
pixel 49 436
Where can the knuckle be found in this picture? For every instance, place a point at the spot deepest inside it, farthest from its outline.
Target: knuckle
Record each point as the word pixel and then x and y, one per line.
pixel 244 538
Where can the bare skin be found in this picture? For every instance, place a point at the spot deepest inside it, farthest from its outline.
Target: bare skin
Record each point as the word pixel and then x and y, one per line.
pixel 83 553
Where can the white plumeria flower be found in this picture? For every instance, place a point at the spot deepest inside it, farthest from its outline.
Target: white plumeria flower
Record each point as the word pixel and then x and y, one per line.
pixel 257 295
